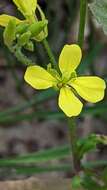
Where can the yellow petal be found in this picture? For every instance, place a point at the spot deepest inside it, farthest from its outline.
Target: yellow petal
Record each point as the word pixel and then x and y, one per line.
pixel 90 88
pixel 39 78
pixel 33 5
pixel 4 20
pixel 69 103
pixel 69 59
pixel 26 7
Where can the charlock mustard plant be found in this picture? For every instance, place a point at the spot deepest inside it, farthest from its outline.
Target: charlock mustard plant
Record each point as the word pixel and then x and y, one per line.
pixel 90 88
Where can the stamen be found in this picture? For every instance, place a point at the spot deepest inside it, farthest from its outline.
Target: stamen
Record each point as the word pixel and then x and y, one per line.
pixel 60 85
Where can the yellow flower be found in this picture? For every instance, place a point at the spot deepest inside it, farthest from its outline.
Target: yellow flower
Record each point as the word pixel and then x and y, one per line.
pixel 70 86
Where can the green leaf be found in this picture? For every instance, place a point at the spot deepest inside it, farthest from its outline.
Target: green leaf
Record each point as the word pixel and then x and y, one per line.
pixel 91 183
pixel 36 99
pixel 102 139
pixel 95 164
pixel 36 169
pixel 41 156
pixel 99 11
pixel 40 98
pixel 6 117
pixel 76 182
pixel 44 156
pixel 87 144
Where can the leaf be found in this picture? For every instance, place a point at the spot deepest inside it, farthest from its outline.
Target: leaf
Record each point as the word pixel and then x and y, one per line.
pixel 41 156
pixel 36 169
pixel 36 99
pixel 91 183
pixel 95 164
pixel 6 117
pixel 99 11
pixel 102 139
pixel 44 156
pixel 76 182
pixel 87 144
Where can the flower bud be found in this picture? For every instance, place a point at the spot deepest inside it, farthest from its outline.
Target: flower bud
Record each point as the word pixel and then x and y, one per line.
pixel 24 38
pixel 10 33
pixel 37 27
pixel 21 28
pixel 29 46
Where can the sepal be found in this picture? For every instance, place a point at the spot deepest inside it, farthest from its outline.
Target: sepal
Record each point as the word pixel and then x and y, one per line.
pixel 9 34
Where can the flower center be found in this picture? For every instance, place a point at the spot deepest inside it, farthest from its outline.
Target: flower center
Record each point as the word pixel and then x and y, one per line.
pixel 64 80
pixel 60 85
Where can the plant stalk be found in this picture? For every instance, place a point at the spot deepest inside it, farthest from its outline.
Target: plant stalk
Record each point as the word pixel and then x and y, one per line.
pixel 83 8
pixel 73 141
pixel 50 54
pixel 71 121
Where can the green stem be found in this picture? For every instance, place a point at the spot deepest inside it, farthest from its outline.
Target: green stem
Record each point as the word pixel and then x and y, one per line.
pixel 17 51
pixel 22 58
pixel 71 121
pixel 50 54
pixel 83 7
pixel 73 141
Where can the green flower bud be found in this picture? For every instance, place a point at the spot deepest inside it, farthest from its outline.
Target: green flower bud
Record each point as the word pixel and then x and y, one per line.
pixel 9 34
pixel 29 46
pixel 21 28
pixel 24 38
pixel 37 27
